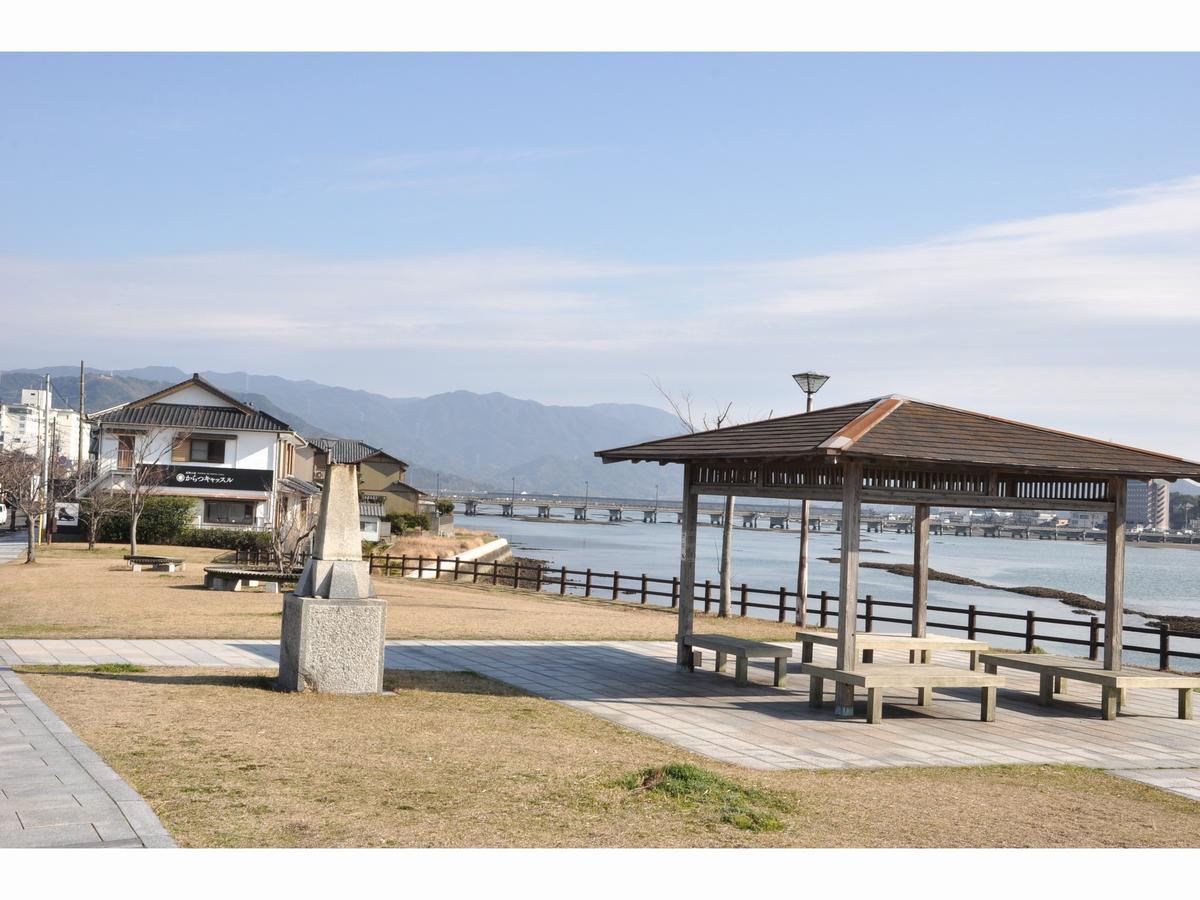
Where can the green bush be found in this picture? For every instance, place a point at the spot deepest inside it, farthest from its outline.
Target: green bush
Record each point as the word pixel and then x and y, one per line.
pixel 402 522
pixel 445 507
pixel 162 521
pixel 224 539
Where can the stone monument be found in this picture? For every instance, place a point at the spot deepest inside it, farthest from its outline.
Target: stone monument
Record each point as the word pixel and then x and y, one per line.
pixel 333 624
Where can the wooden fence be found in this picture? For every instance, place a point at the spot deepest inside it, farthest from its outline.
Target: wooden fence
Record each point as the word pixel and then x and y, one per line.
pixel 820 609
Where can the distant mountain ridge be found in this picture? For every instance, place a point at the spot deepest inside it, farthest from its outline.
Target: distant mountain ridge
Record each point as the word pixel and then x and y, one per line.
pixel 476 441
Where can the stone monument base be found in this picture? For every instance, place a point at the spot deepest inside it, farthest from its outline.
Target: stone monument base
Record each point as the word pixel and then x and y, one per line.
pixel 332 646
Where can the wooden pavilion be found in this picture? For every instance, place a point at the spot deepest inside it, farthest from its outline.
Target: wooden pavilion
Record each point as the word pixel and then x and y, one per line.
pixel 895 450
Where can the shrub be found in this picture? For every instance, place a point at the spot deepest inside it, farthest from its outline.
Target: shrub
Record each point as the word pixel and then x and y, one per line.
pixel 224 538
pixel 162 521
pixel 445 507
pixel 402 522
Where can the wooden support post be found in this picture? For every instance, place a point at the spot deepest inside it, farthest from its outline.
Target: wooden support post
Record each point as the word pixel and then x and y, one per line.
pixel 457 563
pixel 972 617
pixel 920 595
pixel 1185 703
pixel 783 604
pixel 587 584
pixel 1093 638
pixel 1164 646
pixel 726 560
pixel 495 571
pixel 741 669
pixel 675 592
pixel 707 595
pixel 687 568
pixel 420 567
pixel 1030 633
pixel 848 583
pixel 475 571
pixel 643 589
pixel 824 609
pixel 1114 577
pixel 537 578
pixel 516 567
pixel 403 565
pixel 802 573
pixel 745 593
pixel 616 590
pixel 562 581
pixel 987 704
pixel 781 664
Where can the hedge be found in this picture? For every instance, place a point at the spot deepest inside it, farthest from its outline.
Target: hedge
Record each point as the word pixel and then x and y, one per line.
pixel 167 520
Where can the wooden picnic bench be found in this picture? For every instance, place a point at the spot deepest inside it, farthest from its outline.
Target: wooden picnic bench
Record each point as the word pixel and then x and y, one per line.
pixel 876 677
pixel 868 642
pixel 170 563
pixel 217 578
pixel 743 650
pixel 1053 670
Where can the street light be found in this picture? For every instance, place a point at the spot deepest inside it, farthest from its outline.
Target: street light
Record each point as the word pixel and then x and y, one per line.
pixel 810 383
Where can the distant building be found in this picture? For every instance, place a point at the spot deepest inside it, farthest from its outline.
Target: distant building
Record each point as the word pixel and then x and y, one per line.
pixel 380 475
pixel 235 462
pixel 1148 503
pixel 22 427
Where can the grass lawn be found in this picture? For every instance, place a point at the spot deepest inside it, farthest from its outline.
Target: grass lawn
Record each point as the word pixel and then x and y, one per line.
pixel 72 592
pixel 454 760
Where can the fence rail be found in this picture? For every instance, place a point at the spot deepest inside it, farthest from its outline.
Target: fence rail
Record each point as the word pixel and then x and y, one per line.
pixel 819 609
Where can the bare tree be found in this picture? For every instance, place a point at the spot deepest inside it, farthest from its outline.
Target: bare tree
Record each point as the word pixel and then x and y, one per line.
pixel 147 453
pixel 291 533
pixel 22 488
pixel 682 405
pixel 96 505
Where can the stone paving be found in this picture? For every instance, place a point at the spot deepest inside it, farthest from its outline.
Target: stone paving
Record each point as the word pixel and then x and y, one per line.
pixel 12 545
pixel 55 791
pixel 635 684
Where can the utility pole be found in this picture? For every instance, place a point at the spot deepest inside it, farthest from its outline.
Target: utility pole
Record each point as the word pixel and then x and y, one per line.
pixel 82 408
pixel 45 485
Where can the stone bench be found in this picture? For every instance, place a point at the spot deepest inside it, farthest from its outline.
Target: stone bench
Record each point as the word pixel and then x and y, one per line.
pixel 218 579
pixel 169 563
pixel 876 677
pixel 743 650
pixel 1052 671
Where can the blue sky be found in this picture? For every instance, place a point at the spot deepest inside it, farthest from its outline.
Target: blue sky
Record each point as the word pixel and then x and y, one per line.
pixel 1014 233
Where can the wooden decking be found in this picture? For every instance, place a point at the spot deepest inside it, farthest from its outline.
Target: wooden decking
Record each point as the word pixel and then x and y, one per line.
pixel 1052 671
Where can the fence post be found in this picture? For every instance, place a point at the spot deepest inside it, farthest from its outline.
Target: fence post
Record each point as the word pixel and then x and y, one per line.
pixel 1030 623
pixel 516 573
pixel 495 570
pixel 420 567
pixel 870 613
pixel 643 589
pixel 403 565
pixel 537 578
pixel 824 609
pixel 743 598
pixel 675 592
pixel 562 581
pixel 475 571
pixel 1094 638
pixel 782 604
pixel 456 563
pixel 587 584
pixel 971 622
pixel 616 584
pixel 371 564
pixel 1164 646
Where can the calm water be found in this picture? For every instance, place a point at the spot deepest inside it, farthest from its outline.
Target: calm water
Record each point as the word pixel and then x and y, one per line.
pixel 1158 579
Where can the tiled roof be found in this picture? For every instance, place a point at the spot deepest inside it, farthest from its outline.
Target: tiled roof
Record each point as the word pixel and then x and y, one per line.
pixel 349 452
pixel 192 418
pixel 299 486
pixel 370 509
pixel 900 429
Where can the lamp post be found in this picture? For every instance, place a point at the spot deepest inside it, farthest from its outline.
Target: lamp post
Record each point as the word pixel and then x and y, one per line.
pixel 810 383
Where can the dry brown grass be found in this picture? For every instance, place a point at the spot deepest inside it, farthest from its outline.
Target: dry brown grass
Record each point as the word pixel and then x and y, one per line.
pixel 74 593
pixel 453 760
pixel 432 546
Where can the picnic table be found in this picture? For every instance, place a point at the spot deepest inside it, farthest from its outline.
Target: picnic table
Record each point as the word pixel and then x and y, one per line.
pixel 743 650
pixel 870 641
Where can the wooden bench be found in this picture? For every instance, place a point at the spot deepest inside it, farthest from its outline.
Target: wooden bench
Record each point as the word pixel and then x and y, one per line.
pixel 219 579
pixel 1052 671
pixel 743 651
pixel 170 563
pixel 876 677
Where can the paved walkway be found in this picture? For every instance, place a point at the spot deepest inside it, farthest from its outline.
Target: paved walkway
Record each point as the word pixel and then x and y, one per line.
pixel 635 684
pixel 12 545
pixel 55 791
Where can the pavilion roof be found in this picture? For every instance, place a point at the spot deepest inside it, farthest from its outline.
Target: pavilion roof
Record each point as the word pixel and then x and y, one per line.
pixel 899 429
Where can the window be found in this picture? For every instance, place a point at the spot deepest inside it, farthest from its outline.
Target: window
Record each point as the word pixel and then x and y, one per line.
pixel 228 512
pixel 204 450
pixel 125 451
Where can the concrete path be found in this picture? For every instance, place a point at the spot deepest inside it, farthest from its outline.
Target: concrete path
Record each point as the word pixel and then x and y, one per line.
pixel 635 684
pixel 12 545
pixel 55 791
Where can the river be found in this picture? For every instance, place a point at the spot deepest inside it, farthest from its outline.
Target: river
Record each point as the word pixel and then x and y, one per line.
pixel 1159 579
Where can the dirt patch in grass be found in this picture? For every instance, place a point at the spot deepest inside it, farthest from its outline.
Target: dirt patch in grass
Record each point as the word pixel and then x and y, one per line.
pixel 432 546
pixel 75 593
pixel 454 760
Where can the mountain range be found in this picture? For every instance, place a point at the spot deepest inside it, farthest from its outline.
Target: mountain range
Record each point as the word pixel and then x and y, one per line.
pixel 469 441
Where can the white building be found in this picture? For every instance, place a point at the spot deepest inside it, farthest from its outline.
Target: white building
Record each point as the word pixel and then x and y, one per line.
pixel 1148 503
pixel 22 427
pixel 196 441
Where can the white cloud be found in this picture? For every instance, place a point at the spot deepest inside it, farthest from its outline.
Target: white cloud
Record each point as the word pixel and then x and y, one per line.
pixel 1085 319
